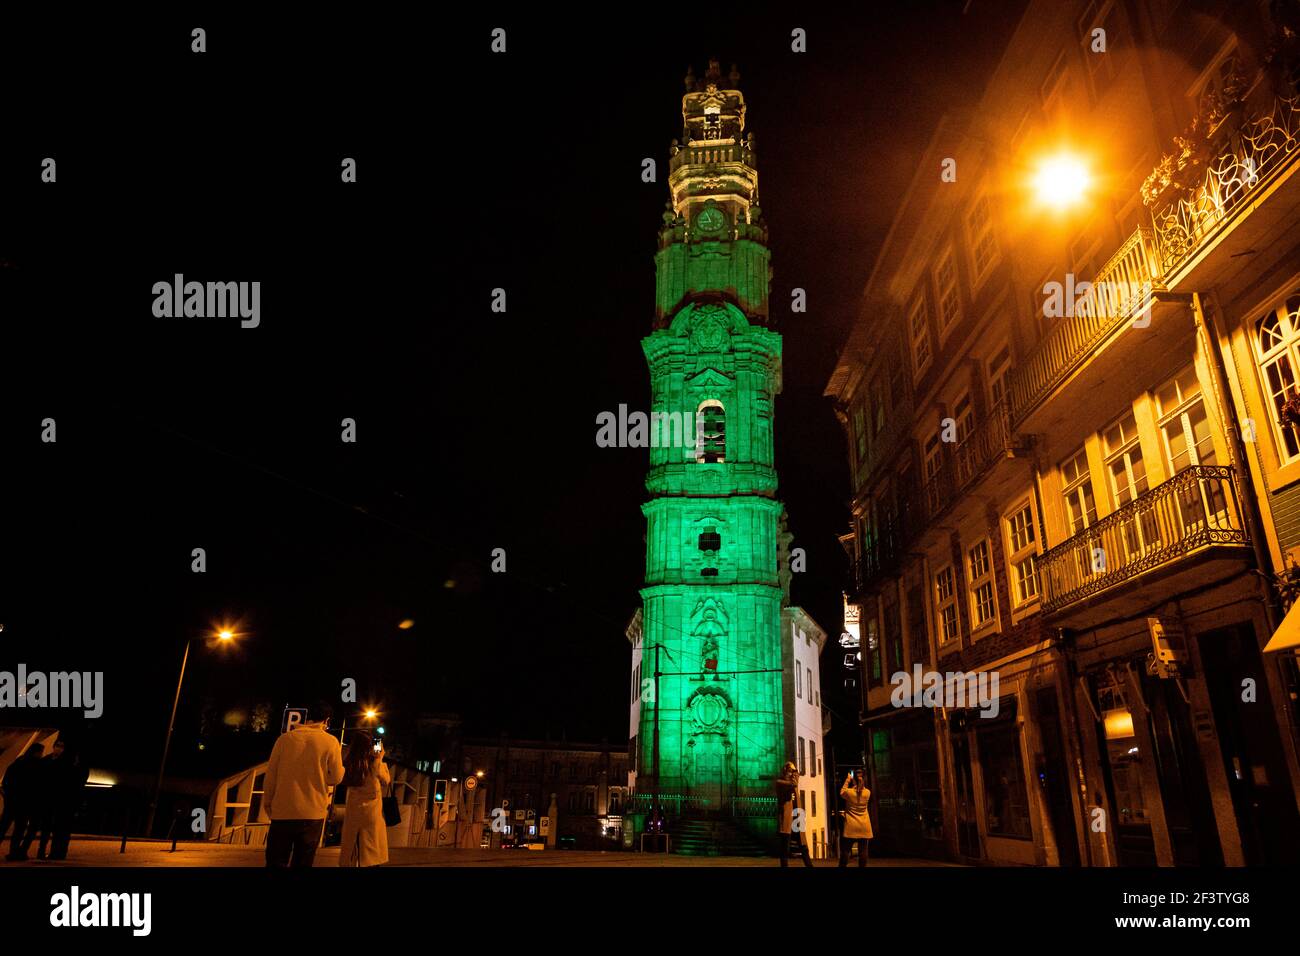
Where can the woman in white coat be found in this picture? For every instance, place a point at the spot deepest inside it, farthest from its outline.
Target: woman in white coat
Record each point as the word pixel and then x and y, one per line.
pixel 857 822
pixel 365 837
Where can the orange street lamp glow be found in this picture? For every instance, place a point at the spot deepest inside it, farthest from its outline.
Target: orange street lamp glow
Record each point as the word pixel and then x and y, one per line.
pixel 226 635
pixel 371 714
pixel 1061 181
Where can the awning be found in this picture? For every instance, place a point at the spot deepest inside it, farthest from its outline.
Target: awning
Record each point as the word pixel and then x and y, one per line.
pixel 1287 635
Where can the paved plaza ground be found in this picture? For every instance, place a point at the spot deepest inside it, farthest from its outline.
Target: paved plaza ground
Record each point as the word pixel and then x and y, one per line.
pixel 105 853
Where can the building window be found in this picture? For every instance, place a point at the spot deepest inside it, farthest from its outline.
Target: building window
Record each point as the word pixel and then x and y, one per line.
pixel 814 802
pixel 615 801
pixel 589 801
pixel 945 278
pixel 1023 559
pixel 894 638
pixel 1184 428
pixel 1277 349
pixel 1053 88
pixel 798 681
pixel 1101 65
pixel 810 685
pixel 1080 504
pixel 999 368
pixel 878 406
pixel 979 224
pixel 812 764
pixel 983 606
pixel 1186 441
pixel 711 425
pixel 860 437
pixel 945 592
pixel 873 650
pixel 1006 800
pixel 802 765
pixel 963 415
pixel 918 323
pixel 1128 478
pixel 916 623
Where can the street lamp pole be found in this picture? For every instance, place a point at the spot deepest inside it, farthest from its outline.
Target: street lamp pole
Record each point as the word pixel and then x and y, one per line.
pixel 171 724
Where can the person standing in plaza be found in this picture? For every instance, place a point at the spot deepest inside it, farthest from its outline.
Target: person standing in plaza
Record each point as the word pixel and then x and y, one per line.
pixel 787 785
pixel 365 835
pixel 857 821
pixel 306 764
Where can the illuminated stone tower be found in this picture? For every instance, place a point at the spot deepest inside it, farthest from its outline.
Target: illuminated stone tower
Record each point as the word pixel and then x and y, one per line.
pixel 713 595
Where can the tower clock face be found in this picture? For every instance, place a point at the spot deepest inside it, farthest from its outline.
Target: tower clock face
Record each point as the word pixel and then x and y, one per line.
pixel 711 219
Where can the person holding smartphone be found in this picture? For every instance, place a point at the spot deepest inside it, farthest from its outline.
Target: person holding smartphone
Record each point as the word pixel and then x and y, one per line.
pixel 857 821
pixel 787 784
pixel 365 836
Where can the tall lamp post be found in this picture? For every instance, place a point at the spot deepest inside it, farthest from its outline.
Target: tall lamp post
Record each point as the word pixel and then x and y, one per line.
pixel 224 636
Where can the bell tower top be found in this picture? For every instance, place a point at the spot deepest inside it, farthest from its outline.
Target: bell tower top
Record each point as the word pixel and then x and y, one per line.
pixel 713 240
pixel 712 112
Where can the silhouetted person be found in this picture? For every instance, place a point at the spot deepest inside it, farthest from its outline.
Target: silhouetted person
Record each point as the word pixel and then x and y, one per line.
pixel 21 783
pixel 63 785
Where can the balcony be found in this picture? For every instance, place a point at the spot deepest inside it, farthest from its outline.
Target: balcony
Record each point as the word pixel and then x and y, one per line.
pixel 983 459
pixel 1198 510
pixel 1208 203
pixel 1223 212
pixel 1117 300
pixel 723 152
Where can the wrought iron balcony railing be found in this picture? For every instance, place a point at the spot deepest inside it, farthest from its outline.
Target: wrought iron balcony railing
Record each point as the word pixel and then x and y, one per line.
pixel 989 441
pixel 1245 151
pixel 1117 292
pixel 1257 145
pixel 1196 508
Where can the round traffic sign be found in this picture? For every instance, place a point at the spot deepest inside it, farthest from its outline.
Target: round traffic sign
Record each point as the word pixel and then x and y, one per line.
pixel 471 783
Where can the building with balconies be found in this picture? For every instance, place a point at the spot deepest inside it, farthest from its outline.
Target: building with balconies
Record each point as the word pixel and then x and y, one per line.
pixel 1075 452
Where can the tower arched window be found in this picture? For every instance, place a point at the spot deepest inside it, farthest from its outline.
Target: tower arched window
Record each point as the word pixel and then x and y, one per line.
pixel 711 423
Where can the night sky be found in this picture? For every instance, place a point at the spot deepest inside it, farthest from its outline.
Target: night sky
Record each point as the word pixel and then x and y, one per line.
pixel 475 430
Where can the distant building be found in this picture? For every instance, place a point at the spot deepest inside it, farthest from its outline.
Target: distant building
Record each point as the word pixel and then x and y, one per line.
pixel 587 780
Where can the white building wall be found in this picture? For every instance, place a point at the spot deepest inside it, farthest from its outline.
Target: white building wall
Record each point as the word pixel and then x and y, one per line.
pixel 807 640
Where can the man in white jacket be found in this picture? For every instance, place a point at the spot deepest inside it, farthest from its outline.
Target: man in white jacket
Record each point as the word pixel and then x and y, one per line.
pixel 306 764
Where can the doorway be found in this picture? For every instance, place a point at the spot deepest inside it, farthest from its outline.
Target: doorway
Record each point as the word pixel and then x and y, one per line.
pixel 1251 745
pixel 1054 778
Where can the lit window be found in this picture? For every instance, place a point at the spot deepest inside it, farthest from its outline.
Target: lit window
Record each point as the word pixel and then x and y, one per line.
pixel 1127 473
pixel 1186 442
pixel 1023 559
pixel 945 592
pixel 999 369
pixel 983 605
pixel 1080 505
pixel 1277 349
pixel 964 417
pixel 945 277
pixel 918 322
pixel 979 223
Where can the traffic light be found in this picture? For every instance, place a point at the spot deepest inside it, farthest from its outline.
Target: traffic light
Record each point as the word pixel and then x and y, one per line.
pixel 440 791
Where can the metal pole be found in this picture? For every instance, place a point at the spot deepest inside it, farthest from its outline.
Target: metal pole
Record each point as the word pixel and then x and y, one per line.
pixel 656 753
pixel 162 767
pixel 1206 325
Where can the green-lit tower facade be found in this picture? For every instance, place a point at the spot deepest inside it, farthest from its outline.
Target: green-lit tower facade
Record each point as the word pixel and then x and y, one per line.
pixel 711 725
